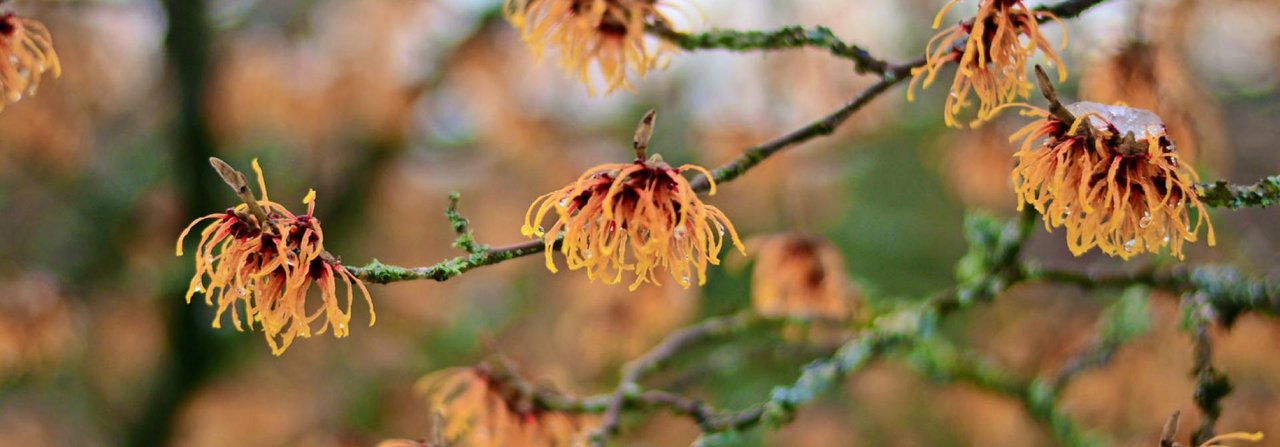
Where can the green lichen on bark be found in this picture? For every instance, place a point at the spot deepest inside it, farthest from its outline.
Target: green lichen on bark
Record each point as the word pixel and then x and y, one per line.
pixel 466 240
pixel 788 37
pixel 1220 194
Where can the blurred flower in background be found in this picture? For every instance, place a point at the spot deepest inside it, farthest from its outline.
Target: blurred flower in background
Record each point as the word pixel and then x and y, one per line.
pixel 37 326
pixel 478 407
pixel 1152 74
pixel 976 165
pixel 799 276
pixel 114 53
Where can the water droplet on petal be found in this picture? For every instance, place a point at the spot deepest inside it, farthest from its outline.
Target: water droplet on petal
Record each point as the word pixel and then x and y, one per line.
pixel 198 289
pixel 1128 246
pixel 1146 220
pixel 541 230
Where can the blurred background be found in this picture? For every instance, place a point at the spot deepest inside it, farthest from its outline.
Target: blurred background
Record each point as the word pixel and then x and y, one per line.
pixel 387 106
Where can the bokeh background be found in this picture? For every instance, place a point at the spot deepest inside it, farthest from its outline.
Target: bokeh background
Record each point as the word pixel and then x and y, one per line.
pixel 387 106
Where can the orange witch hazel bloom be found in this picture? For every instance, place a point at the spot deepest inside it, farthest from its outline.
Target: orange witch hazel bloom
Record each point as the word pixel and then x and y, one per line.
pixel 992 67
pixel 606 34
pixel 642 217
pixel 480 406
pixel 267 270
pixel 1112 177
pixel 26 53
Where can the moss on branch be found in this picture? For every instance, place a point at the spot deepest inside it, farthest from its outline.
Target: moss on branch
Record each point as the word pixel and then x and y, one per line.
pixel 788 37
pixel 1220 194
pixel 943 362
pixel 379 273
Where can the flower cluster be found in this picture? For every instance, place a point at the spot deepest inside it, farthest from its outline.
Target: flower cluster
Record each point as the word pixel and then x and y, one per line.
pixel 1112 177
pixel 37 325
pixel 26 53
pixel 478 407
pixel 992 66
pixel 606 34
pixel 262 257
pixel 641 217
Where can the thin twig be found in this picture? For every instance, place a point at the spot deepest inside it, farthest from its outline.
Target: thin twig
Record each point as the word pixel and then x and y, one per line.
pixel 1212 385
pixel 466 240
pixel 944 362
pixel 1070 8
pixel 1125 319
pixel 825 126
pixel 819 37
pixel 1225 290
pixel 379 273
pixel 635 370
pixel 788 37
pixel 1169 435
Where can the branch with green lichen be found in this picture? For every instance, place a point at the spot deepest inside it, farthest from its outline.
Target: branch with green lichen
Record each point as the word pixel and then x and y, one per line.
pixel 819 37
pixel 825 126
pixel 1127 318
pixel 993 251
pixel 378 273
pixel 1212 385
pixel 635 370
pixel 631 394
pixel 502 375
pixel 787 37
pixel 1209 294
pixel 1226 292
pixel 943 362
pixel 1220 194
pixel 466 239
pixel 990 266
